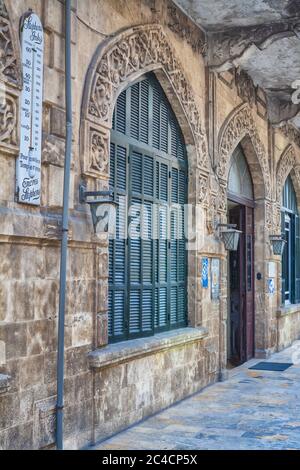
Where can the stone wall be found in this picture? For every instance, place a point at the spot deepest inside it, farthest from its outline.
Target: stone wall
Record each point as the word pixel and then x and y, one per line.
pixel 216 112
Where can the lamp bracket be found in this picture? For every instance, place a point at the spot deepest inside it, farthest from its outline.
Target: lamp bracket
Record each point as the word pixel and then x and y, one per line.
pixel 233 226
pixel 84 196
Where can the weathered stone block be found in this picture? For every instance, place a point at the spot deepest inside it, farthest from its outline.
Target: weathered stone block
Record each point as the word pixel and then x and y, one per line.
pixel 102 329
pixel 15 340
pixel 41 337
pixel 58 122
pixel 102 305
pixel 46 299
pixel 22 300
pixel 44 423
pixel 4 291
pixel 31 372
pixel 20 437
pixel 56 178
pixel 77 360
pixel 9 410
pixel 2 353
pixel 82 329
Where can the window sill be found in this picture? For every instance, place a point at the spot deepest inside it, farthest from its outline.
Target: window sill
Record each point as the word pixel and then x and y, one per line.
pixel 288 310
pixel 125 351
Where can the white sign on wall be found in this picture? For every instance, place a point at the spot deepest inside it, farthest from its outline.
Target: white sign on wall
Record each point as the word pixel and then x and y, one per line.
pixel 29 161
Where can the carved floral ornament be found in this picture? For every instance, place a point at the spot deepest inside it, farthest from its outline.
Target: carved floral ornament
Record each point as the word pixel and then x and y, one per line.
pixel 240 124
pixel 10 82
pixel 287 163
pixel 117 63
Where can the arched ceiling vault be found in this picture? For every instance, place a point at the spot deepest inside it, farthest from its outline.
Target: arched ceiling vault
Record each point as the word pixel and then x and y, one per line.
pixel 261 37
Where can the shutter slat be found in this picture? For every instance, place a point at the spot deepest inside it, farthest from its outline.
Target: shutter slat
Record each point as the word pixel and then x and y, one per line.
pixel 135 114
pixel 174 307
pixel 156 119
pixel 164 126
pixel 118 323
pixel 121 166
pixel 121 113
pixel 134 313
pixel 164 176
pixel 163 316
pixel 148 176
pixel 112 166
pixel 136 172
pixel 144 119
pixel 147 311
pixel 297 259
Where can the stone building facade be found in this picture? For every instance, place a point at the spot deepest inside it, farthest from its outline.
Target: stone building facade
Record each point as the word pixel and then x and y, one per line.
pixel 111 386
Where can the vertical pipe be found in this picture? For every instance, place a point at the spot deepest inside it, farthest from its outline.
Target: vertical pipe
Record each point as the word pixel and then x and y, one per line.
pixel 65 229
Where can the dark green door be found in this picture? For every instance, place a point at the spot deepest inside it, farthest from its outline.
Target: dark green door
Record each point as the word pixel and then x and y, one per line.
pixel 148 168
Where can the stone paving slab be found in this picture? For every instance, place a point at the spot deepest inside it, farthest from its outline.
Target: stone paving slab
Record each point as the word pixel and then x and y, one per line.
pixel 251 410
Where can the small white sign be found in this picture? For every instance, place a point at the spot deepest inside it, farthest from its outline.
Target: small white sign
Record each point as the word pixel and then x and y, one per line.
pixel 29 161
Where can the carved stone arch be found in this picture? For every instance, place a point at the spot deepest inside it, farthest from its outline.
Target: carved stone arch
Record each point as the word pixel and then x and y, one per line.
pixel 288 164
pixel 118 62
pixel 240 128
pixel 10 83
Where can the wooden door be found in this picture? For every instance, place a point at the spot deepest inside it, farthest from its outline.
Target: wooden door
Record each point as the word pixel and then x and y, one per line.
pixel 249 283
pixel 242 288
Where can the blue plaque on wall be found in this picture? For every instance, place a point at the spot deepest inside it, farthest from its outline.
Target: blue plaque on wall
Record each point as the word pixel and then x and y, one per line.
pixel 271 286
pixel 215 279
pixel 205 273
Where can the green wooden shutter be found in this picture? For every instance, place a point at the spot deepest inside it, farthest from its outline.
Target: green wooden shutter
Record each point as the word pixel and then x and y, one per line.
pixel 117 247
pixel 283 261
pixel 297 259
pixel 147 276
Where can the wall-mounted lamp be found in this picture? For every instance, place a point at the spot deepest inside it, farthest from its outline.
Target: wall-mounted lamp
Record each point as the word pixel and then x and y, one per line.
pixel 103 208
pixel 278 244
pixel 230 236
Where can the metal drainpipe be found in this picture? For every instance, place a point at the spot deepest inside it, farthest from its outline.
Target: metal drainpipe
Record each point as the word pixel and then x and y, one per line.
pixel 65 230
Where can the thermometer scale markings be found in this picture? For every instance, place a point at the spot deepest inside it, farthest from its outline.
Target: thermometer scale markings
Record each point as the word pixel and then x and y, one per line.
pixel 29 162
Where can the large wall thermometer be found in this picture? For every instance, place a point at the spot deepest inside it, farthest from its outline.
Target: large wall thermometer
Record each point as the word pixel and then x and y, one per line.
pixel 29 161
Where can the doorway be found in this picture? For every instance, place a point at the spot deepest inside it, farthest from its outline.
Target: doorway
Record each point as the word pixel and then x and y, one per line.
pixel 241 288
pixel 240 339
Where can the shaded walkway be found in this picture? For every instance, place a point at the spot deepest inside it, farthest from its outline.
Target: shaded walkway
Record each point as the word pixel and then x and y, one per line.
pixel 251 410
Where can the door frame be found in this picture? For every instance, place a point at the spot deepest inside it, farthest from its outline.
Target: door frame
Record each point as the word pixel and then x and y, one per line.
pixel 250 204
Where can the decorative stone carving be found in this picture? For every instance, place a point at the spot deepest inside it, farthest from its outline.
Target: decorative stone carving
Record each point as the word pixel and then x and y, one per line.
pixel 99 145
pixel 181 25
pixel 288 164
pixel 9 61
pixel 116 64
pixel 10 80
pixel 285 165
pixel 203 189
pixel 8 122
pixel 292 134
pixel 269 217
pixel 240 124
pixel 245 86
pixel 222 199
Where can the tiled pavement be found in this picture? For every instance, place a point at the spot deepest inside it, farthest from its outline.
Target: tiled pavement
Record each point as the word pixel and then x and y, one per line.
pixel 251 410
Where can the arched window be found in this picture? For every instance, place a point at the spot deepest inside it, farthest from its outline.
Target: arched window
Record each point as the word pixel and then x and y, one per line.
pixel 291 255
pixel 239 180
pixel 148 175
